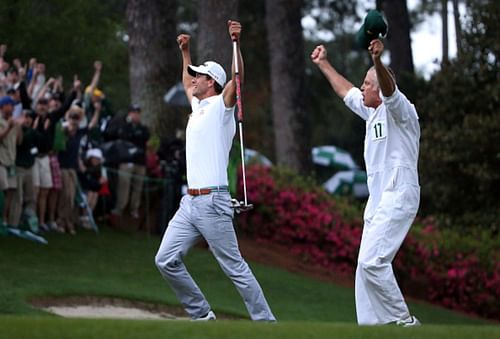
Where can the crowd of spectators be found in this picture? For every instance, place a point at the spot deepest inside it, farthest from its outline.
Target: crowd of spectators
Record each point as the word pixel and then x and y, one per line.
pixel 54 144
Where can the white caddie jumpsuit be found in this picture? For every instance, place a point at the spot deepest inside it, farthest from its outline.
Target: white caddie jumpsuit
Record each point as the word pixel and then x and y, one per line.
pixel 391 156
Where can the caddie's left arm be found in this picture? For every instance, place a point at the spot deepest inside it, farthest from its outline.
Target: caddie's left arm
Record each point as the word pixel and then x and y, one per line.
pixel 396 103
pixel 385 80
pixel 229 92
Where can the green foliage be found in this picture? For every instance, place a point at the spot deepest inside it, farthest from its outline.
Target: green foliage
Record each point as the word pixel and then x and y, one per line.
pixel 68 36
pixel 460 108
pixel 286 178
pixel 332 122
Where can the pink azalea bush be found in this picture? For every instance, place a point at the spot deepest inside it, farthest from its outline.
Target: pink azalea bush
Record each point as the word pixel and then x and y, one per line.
pixel 441 266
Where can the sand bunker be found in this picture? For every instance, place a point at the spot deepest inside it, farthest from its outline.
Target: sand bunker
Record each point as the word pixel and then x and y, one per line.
pixel 102 307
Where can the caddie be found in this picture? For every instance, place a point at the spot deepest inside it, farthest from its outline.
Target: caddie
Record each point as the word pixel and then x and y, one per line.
pixel 391 156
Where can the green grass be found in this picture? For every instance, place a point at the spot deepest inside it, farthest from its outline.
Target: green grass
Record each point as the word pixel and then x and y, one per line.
pixel 121 265
pixel 51 327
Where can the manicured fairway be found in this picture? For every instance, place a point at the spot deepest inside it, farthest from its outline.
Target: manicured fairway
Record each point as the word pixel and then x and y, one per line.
pixel 121 265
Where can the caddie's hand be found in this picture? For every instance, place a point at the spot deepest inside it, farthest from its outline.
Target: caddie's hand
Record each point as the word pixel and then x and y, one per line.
pixel 234 29
pixel 376 48
pixel 318 54
pixel 183 41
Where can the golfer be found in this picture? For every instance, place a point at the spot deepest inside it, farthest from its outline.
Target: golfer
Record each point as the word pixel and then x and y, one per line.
pixel 206 211
pixel 391 155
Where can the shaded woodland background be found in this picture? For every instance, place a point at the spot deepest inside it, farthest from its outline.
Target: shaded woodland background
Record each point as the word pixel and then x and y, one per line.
pixel 289 106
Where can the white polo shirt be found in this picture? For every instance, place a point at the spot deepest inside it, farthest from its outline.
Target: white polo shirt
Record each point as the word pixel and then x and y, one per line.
pixel 209 137
pixel 391 142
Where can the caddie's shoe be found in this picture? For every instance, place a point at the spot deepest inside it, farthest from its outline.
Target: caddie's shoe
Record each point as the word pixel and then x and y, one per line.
pixel 408 322
pixel 207 317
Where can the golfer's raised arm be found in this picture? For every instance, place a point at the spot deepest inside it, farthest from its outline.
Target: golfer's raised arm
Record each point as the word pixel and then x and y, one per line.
pixel 183 41
pixel 339 84
pixel 229 92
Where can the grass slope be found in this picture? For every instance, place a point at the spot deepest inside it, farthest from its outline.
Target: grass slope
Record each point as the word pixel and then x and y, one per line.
pixel 121 265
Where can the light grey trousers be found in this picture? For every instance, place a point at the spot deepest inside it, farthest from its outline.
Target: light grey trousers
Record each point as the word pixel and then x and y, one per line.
pixel 208 216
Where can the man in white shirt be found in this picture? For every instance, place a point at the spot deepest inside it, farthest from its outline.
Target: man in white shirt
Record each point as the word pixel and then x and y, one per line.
pixel 206 211
pixel 391 156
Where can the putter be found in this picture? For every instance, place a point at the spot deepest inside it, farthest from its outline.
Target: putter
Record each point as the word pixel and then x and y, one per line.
pixel 240 206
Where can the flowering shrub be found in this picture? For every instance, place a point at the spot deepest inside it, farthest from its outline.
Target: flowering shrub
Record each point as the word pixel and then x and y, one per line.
pixel 456 272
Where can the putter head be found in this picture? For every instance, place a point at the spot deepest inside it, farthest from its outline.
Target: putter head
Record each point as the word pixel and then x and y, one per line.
pixel 239 206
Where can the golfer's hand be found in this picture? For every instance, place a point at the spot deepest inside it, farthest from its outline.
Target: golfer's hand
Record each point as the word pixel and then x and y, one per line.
pixel 318 54
pixel 234 29
pixel 183 41
pixel 376 48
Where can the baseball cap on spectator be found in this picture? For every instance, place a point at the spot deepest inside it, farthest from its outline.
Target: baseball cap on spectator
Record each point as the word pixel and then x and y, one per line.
pixel 12 89
pixel 7 100
pixel 134 108
pixel 210 68
pixel 78 103
pixel 94 153
pixel 97 92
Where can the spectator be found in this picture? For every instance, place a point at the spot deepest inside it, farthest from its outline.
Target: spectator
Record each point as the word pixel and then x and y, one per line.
pixel 172 156
pixel 92 176
pixel 69 161
pixel 45 123
pixel 24 196
pixel 59 144
pixel 18 90
pixel 4 66
pixel 10 136
pixel 153 167
pixel 94 99
pixel 132 172
pixel 37 81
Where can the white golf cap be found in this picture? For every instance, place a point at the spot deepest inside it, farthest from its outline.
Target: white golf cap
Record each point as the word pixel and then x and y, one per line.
pixel 96 153
pixel 211 68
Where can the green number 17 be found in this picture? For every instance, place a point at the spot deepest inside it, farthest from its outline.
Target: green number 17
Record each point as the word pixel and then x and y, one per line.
pixel 378 130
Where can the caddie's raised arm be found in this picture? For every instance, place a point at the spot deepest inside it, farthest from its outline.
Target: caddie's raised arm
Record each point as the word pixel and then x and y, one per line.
pixel 183 41
pixel 229 92
pixel 339 84
pixel 386 81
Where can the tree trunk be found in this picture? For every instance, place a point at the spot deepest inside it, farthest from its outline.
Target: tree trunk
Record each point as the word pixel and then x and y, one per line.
pixel 444 19
pixel 213 41
pixel 398 37
pixel 287 64
pixel 154 61
pixel 458 27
